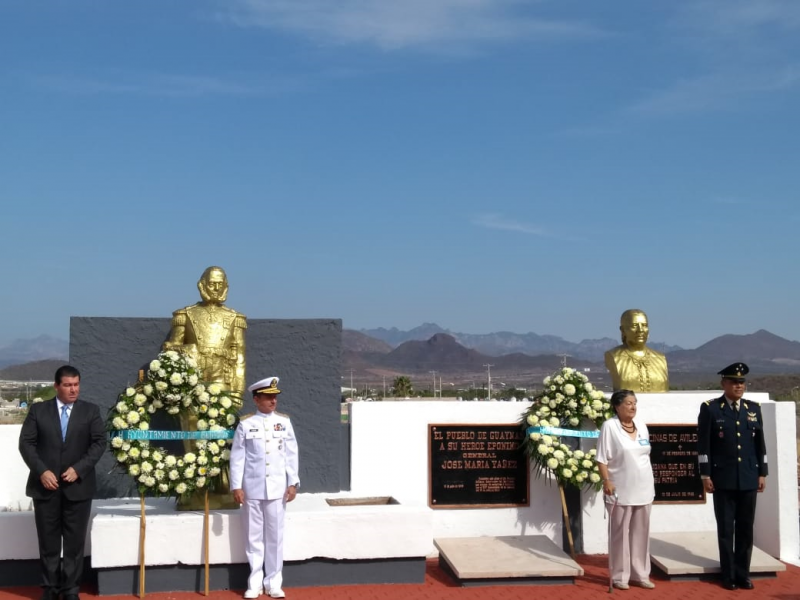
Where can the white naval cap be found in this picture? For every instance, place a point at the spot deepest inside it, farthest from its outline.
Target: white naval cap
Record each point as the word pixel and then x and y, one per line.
pixel 265 386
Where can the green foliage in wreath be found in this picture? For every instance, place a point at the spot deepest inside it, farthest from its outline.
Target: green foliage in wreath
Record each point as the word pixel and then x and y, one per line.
pixel 173 384
pixel 568 401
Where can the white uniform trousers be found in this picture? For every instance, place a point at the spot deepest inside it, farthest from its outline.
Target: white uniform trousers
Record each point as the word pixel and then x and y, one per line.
pixel 263 529
pixel 629 543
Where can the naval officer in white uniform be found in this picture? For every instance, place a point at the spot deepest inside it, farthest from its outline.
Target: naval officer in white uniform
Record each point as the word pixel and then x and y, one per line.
pixel 264 468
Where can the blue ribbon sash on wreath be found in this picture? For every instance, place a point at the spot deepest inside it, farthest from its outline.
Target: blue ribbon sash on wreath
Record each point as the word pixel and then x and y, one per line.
pixel 563 432
pixel 149 434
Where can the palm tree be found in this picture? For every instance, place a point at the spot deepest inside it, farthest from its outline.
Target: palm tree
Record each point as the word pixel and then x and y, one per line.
pixel 402 386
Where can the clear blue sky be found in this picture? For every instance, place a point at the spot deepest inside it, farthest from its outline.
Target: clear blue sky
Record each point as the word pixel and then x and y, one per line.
pixel 483 164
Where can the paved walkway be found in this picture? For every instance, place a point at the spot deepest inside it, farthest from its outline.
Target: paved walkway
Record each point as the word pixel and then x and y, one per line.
pixel 438 586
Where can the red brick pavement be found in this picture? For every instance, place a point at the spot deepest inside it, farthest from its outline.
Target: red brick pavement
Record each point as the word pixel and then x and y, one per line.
pixel 438 586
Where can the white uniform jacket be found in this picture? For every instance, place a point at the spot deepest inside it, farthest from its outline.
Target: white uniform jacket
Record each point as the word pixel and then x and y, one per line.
pixel 264 457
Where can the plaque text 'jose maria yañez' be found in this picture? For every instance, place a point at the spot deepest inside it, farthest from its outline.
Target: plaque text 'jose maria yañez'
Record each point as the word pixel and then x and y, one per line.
pixel 673 455
pixel 477 466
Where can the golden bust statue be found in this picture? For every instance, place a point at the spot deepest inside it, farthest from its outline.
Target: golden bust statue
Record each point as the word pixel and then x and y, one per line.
pixel 212 334
pixel 634 366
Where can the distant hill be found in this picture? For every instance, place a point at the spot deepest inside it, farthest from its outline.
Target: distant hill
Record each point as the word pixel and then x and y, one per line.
pixel 764 352
pixel 355 341
pixel 27 350
pixel 40 370
pixel 443 353
pixel 506 342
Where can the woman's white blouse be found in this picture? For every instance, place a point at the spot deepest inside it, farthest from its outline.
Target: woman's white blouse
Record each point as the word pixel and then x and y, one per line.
pixel 628 462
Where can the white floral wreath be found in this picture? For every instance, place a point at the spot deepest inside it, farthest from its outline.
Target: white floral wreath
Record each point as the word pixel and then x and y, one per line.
pixel 172 383
pixel 567 399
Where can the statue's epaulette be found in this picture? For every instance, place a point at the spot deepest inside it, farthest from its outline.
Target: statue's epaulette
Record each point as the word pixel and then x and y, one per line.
pixel 179 318
pixel 708 402
pixel 284 415
pixel 240 322
pixel 243 417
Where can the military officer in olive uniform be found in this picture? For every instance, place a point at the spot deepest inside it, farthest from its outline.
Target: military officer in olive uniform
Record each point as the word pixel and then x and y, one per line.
pixel 264 467
pixel 732 458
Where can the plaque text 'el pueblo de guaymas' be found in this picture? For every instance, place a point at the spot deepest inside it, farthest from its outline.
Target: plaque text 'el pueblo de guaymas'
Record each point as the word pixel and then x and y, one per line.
pixel 473 466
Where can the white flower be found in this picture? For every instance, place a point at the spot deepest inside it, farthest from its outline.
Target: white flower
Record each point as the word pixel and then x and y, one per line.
pixel 594 477
pixel 536 436
pixel 189 457
pixel 144 426
pixel 586 464
pixel 163 488
pixel 129 392
pixel 578 454
pixel 189 473
pixel 155 365
pixel 214 389
pixel 566 473
pixel 134 452
pixel 149 481
pixel 119 423
pixel 226 402
pixel 172 355
pixel 533 420
pixel 133 470
pixel 213 413
pixel 569 389
pixel 546 381
pixel 162 373
pixel 597 405
pixel 574 421
pixel 567 371
pixel 116 442
pixel 588 387
pixel 147 467
pixel 558 454
pixel 148 389
pixel 226 454
pixel 161 386
pixel 132 417
pixel 559 380
pixel 554 422
pixel 201 425
pixel 126 446
pixel 231 419
pixel 181 488
pixel 214 471
pixel 122 457
pixel 176 379
pixel 192 379
pixel 542 449
pixel 170 460
pixel 121 407
pixel 552 463
pixel 200 482
pixel 139 399
pixel 190 362
pixel 173 475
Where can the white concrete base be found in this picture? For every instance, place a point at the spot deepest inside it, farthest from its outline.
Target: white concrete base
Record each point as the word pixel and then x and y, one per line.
pixel 314 529
pixel 697 553
pixel 496 560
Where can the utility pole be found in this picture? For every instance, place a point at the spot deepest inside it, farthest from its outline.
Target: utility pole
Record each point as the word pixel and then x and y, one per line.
pixel 564 358
pixel 384 386
pixel 351 384
pixel 489 379
pixel 434 382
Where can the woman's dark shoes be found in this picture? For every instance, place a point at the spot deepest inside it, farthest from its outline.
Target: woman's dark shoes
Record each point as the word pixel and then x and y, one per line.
pixel 746 584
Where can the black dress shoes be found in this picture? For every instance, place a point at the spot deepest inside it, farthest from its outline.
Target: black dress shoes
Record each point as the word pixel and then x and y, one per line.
pixel 729 585
pixel 746 584
pixel 49 594
pixel 70 597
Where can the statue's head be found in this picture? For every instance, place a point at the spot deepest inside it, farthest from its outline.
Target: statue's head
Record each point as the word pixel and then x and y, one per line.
pixel 213 285
pixel 634 328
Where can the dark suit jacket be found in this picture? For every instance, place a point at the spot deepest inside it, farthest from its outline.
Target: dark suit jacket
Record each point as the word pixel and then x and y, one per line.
pixel 42 449
pixel 733 455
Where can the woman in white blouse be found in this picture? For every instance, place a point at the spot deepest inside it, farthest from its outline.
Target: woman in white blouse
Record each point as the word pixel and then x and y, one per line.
pixel 623 455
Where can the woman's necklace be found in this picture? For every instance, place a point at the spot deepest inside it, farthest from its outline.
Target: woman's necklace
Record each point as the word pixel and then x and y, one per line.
pixel 628 428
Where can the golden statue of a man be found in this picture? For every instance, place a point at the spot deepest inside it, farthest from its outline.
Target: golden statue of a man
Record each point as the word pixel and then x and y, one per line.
pixel 634 366
pixel 212 334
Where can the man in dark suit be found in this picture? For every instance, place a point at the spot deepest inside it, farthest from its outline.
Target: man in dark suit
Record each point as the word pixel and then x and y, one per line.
pixel 732 457
pixel 61 441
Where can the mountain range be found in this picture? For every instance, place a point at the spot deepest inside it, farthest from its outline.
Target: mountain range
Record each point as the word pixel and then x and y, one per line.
pixel 376 353
pixel 505 342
